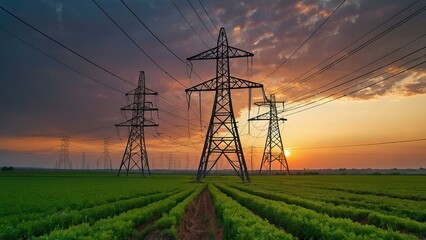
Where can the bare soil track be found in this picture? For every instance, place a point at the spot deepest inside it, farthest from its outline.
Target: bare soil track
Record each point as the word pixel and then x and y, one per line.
pixel 199 221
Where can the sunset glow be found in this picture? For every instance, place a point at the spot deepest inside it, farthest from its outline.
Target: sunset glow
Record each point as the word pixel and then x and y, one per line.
pixel 287 152
pixel 372 95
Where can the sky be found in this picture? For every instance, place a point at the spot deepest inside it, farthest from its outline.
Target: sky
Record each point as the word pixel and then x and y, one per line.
pixel 353 78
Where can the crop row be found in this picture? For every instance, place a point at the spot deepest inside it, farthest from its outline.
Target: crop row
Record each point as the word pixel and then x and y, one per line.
pixel 401 208
pixel 48 193
pixel 45 224
pixel 360 215
pixel 308 224
pixel 119 226
pixel 240 223
pixel 362 192
pixel 13 219
pixel 400 187
pixel 168 224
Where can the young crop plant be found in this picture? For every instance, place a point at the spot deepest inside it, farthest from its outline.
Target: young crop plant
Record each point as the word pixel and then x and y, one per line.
pixel 168 224
pixel 372 217
pixel 122 225
pixel 305 223
pixel 42 225
pixel 240 223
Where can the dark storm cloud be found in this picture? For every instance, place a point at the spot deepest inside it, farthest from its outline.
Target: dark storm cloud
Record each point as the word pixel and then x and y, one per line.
pixel 40 96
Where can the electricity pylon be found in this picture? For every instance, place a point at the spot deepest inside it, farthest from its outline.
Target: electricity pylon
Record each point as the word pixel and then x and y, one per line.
pixel 135 154
pixel 107 158
pixel 83 161
pixel 64 159
pixel 222 139
pixel 274 150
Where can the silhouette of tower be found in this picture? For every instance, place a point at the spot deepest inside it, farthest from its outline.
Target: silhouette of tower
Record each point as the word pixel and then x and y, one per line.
pixel 106 157
pixel 274 150
pixel 83 161
pixel 222 139
pixel 64 159
pixel 135 154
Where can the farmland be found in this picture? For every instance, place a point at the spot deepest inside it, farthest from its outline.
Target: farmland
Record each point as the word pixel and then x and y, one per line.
pixel 73 205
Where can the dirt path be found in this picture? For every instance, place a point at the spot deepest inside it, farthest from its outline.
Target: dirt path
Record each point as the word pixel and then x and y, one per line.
pixel 199 221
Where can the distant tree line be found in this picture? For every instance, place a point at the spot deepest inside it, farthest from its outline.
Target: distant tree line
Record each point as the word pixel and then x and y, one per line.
pixel 7 168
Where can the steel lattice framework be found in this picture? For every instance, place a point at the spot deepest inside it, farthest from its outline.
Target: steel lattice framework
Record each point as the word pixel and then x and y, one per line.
pixel 135 154
pixel 274 150
pixel 222 139
pixel 64 159
pixel 107 158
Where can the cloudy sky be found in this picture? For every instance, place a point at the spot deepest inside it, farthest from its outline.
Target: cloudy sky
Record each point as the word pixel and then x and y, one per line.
pixel 357 78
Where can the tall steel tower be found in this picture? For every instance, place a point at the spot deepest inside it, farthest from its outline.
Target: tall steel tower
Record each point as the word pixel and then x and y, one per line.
pixel 135 154
pixel 222 139
pixel 64 159
pixel 106 156
pixel 274 150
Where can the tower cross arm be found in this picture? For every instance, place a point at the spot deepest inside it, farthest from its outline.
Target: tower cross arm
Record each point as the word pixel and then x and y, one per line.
pixel 212 53
pixel 265 116
pixel 130 123
pixel 238 83
pixel 209 85
pixel 234 83
pixel 234 52
pixel 206 55
pixel 130 107
pixel 147 92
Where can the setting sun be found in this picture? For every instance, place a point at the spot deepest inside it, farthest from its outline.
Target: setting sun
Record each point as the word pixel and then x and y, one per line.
pixel 287 152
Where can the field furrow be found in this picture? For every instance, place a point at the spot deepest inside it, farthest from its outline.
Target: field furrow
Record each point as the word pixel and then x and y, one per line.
pixel 168 224
pixel 240 223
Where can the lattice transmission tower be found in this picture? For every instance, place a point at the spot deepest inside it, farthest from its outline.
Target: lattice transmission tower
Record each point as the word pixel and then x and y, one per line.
pixel 274 150
pixel 135 154
pixel 106 156
pixel 222 139
pixel 64 158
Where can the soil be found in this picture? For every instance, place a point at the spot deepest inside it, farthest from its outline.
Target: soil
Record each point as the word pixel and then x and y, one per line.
pixel 199 221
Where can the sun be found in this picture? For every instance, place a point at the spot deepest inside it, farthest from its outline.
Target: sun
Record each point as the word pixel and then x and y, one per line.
pixel 287 152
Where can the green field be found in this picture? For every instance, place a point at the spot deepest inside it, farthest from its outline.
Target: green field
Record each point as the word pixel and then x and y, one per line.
pixel 49 205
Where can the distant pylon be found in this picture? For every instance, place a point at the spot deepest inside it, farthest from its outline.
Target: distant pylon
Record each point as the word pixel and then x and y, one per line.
pixel 222 139
pixel 135 154
pixel 83 161
pixel 64 159
pixel 107 158
pixel 274 150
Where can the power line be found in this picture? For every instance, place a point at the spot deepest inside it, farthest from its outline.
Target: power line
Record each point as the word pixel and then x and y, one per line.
pixel 362 145
pixel 208 15
pixel 306 40
pixel 155 36
pixel 360 76
pixel 370 85
pixel 64 46
pixel 75 70
pixel 57 60
pixel 60 62
pixel 137 45
pixel 353 79
pixel 174 4
pixel 149 30
pixel 140 48
pixel 201 19
pixel 170 103
pixel 307 96
pixel 355 50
